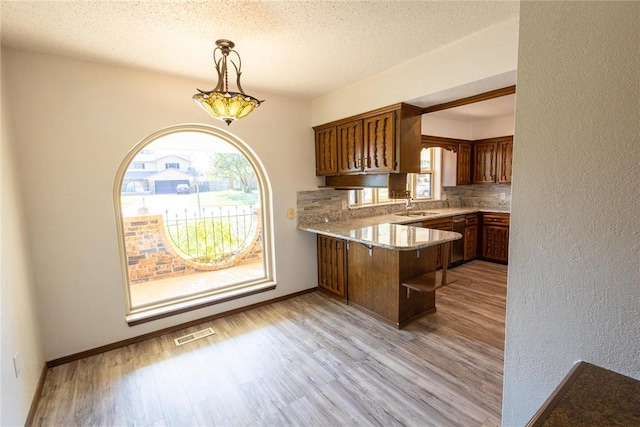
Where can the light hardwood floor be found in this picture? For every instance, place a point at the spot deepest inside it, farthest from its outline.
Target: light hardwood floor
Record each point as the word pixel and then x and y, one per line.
pixel 307 361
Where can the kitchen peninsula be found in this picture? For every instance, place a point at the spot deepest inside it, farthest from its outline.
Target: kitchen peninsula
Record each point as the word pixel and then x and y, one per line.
pixel 390 268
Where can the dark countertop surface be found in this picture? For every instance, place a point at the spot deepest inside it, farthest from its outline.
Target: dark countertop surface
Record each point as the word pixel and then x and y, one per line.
pixel 591 396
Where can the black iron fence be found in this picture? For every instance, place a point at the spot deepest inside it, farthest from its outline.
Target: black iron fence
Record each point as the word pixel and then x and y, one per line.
pixel 212 236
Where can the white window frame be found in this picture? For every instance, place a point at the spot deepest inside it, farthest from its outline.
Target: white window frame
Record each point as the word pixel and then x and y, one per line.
pixel 356 198
pixel 136 315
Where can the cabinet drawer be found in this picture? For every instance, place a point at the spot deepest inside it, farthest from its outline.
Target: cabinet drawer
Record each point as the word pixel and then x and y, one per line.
pixel 471 219
pixel 438 224
pixel 496 219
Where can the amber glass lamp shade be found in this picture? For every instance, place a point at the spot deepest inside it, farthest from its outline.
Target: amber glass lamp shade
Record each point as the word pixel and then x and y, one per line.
pixel 221 103
pixel 226 106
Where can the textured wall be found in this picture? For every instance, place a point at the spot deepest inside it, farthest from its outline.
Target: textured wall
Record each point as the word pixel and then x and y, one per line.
pixel 20 331
pixel 483 61
pixel 574 260
pixel 70 144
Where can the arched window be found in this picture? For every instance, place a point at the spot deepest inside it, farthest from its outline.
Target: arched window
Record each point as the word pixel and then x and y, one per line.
pixel 194 225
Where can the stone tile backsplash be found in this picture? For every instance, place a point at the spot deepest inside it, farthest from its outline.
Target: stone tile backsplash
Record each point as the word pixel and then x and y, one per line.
pixel 332 205
pixel 479 196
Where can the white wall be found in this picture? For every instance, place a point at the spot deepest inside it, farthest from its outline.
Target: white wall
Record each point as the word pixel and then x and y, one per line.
pixel 469 130
pixel 485 60
pixel 574 261
pixel 492 128
pixel 447 128
pixel 20 330
pixel 74 123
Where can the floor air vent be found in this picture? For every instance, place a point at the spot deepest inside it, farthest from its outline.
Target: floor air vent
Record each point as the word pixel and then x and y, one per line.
pixel 194 336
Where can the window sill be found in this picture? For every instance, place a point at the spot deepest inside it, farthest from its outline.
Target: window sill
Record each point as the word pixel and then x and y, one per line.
pixel 148 314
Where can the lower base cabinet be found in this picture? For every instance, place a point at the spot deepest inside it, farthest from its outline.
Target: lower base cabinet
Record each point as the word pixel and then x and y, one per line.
pixel 332 259
pixel 471 237
pixel 374 275
pixel 444 224
pixel 495 237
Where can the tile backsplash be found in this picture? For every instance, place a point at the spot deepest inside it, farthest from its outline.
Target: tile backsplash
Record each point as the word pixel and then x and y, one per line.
pixel 481 196
pixel 332 205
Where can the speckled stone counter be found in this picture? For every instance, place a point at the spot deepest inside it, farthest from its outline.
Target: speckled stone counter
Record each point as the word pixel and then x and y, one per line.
pixel 390 236
pixel 363 230
pixel 591 396
pixel 390 230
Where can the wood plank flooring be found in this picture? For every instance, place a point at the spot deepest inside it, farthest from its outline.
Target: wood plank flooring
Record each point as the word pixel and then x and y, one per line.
pixel 307 361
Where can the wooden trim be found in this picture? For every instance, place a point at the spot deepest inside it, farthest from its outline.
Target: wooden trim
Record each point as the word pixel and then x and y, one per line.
pixel 549 405
pixel 36 397
pixel 389 108
pixel 497 93
pixel 494 139
pixel 144 337
pixel 450 144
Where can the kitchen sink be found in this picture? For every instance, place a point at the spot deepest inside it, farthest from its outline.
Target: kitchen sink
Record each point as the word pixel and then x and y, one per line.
pixel 416 213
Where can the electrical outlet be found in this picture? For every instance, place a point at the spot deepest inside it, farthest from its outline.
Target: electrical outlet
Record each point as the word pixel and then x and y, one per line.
pixel 344 204
pixel 503 196
pixel 290 213
pixel 16 365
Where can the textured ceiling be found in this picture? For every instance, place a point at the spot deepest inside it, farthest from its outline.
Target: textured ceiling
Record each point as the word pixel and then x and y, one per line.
pixel 302 49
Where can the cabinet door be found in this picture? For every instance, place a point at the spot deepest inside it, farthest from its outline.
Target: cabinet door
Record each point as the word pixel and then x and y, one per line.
pixel 464 164
pixel 326 152
pixel 484 164
pixel 373 279
pixel 495 243
pixel 332 265
pixel 505 159
pixel 350 157
pixel 379 143
pixel 470 242
pixel 439 224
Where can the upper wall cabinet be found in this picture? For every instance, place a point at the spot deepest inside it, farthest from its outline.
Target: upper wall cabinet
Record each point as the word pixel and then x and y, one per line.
pixel 492 159
pixel 456 162
pixel 381 141
pixel 326 152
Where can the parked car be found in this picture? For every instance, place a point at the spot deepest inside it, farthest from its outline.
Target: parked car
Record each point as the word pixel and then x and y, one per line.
pixel 183 189
pixel 424 191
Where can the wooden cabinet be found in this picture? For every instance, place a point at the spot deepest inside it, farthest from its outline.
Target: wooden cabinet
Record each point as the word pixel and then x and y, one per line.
pixel 484 162
pixel 374 277
pixel 439 224
pixel 464 164
pixel 456 159
pixel 367 145
pixel 384 141
pixel 495 237
pixel 505 160
pixel 492 160
pixel 326 151
pixel 350 147
pixel 379 143
pixel 332 256
pixel 471 237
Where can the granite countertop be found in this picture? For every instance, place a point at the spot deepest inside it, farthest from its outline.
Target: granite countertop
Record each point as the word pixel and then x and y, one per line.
pixel 390 236
pixel 389 231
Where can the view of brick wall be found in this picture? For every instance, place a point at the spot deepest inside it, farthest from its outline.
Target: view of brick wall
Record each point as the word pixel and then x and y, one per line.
pixel 151 257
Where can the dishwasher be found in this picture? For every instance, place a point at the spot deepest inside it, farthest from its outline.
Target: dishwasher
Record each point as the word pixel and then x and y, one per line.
pixel 457 246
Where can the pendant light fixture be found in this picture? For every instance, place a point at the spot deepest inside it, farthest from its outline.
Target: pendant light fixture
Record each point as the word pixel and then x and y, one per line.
pixel 220 103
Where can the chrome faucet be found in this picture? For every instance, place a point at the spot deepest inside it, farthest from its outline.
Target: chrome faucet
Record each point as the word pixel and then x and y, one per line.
pixel 407 203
